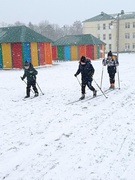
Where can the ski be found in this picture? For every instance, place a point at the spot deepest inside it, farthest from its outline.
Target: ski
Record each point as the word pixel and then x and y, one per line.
pixel 13 100
pixel 84 100
pixel 109 90
pixel 25 99
pixel 88 99
pixel 74 101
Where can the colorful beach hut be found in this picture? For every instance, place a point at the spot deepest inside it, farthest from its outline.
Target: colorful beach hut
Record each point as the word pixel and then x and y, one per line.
pixel 19 44
pixel 72 47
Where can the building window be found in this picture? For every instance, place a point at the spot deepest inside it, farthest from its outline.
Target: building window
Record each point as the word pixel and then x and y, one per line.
pixel 104 26
pixel 127 46
pixel 110 24
pixel 133 24
pixel 127 36
pixel 98 26
pixel 133 45
pixel 127 25
pixel 133 35
pixel 110 36
pixel 110 47
pixel 104 36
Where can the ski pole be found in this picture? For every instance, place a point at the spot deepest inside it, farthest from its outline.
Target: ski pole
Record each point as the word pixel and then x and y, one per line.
pixel 26 84
pixel 100 89
pixel 101 77
pixel 78 80
pixel 39 88
pixel 118 77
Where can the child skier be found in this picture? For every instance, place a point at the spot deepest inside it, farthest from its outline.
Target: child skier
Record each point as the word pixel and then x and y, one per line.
pixel 30 73
pixel 111 68
pixel 86 69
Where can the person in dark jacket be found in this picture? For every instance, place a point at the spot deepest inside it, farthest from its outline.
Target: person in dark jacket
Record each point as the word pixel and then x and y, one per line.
pixel 86 69
pixel 111 68
pixel 30 73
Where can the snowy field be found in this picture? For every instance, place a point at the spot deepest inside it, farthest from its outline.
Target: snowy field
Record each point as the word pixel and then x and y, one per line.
pixel 46 138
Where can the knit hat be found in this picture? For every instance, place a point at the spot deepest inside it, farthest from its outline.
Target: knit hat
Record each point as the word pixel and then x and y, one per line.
pixel 83 59
pixel 110 53
pixel 26 63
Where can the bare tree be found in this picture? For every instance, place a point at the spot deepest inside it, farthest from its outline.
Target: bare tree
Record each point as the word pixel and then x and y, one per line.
pixel 76 28
pixel 53 31
pixel 31 26
pixel 3 24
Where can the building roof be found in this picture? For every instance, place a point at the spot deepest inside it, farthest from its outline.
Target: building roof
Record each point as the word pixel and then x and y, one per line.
pixel 103 16
pixel 20 34
pixel 128 16
pixel 77 40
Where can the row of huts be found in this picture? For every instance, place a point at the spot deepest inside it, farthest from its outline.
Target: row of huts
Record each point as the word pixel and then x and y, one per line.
pixel 72 47
pixel 19 44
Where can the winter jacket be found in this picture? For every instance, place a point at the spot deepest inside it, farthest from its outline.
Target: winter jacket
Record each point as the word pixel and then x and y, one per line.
pixel 111 65
pixel 86 71
pixel 30 73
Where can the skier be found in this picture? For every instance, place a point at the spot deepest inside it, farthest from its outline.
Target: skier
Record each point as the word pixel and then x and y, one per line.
pixel 30 73
pixel 86 69
pixel 111 68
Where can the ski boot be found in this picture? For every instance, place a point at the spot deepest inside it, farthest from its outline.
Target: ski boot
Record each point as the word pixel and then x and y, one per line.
pixel 36 94
pixel 82 97
pixel 94 93
pixel 112 86
pixel 27 96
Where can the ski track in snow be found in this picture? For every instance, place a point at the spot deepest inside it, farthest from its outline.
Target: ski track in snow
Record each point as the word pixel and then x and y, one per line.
pixel 46 139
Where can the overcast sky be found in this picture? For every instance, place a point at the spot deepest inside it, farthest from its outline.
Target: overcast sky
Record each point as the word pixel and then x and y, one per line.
pixel 61 12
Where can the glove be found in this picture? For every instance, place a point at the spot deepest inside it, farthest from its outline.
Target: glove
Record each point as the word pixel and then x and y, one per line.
pixel 75 75
pixel 103 62
pixel 22 78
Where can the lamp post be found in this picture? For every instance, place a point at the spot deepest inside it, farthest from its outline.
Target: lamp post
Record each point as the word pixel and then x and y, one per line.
pixel 118 27
pixel 117 19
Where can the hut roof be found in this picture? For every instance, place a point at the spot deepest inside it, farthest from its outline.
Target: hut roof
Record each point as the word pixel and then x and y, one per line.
pixel 82 39
pixel 20 34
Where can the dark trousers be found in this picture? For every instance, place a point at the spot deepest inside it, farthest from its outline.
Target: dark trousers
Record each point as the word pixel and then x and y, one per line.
pixel 29 84
pixel 88 83
pixel 112 78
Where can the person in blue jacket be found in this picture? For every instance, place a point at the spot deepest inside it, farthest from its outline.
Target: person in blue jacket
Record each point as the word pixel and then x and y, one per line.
pixel 86 69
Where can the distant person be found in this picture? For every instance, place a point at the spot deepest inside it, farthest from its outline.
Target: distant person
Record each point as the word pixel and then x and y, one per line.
pixel 111 68
pixel 86 69
pixel 30 73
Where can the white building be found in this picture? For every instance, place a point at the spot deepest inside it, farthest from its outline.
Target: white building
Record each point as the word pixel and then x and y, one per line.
pixel 116 30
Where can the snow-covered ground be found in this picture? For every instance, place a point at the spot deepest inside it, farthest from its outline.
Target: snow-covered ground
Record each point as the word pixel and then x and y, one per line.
pixel 46 138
